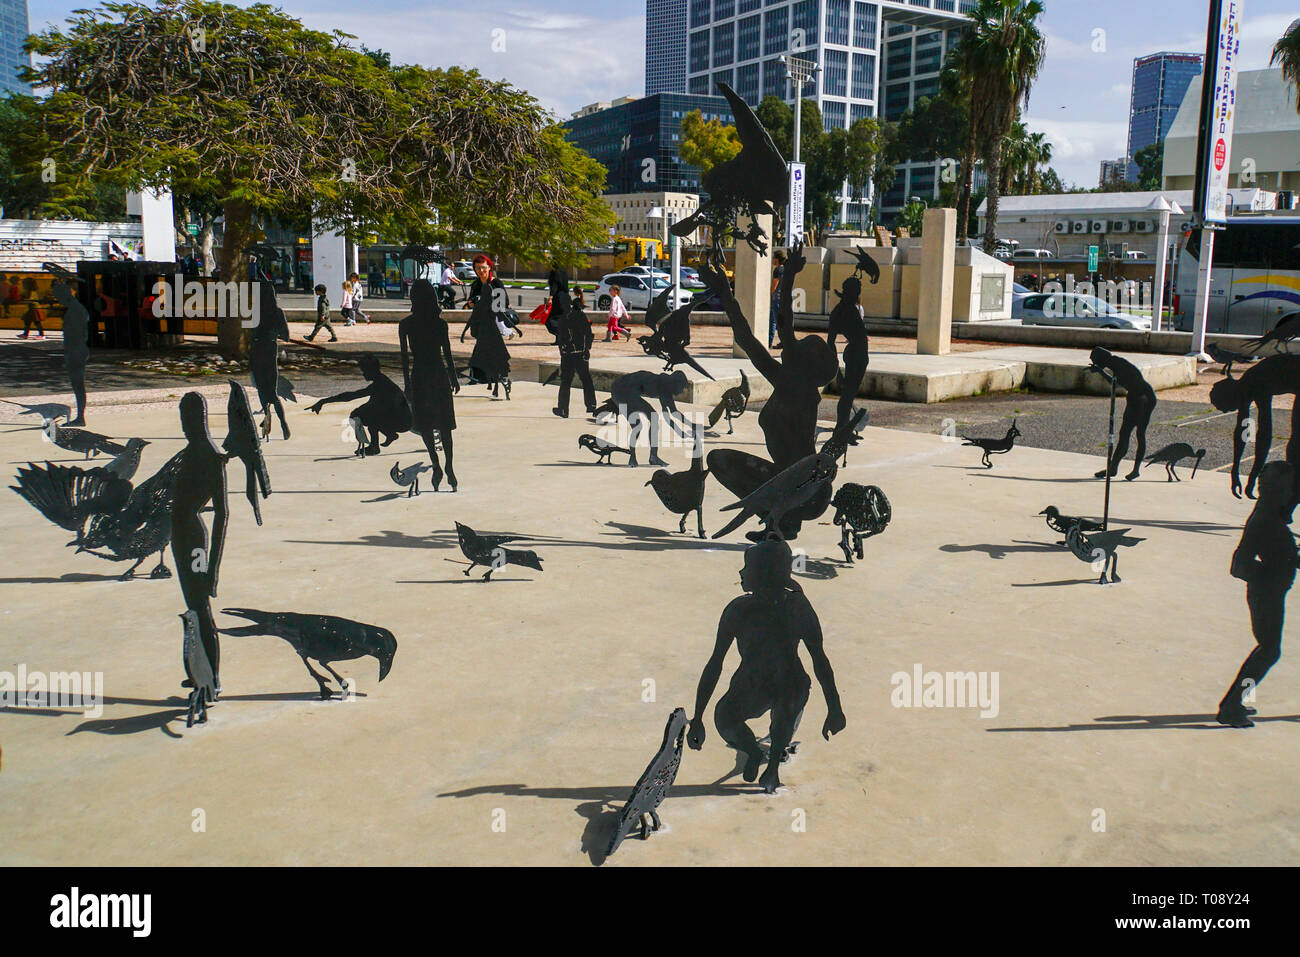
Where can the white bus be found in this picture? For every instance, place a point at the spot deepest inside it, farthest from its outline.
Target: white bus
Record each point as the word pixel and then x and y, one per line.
pixel 1254 279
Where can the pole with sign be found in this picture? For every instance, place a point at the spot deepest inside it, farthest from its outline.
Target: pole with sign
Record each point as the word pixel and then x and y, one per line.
pixel 794 219
pixel 1092 259
pixel 1214 147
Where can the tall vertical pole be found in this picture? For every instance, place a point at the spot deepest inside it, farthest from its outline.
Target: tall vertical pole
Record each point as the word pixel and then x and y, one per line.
pixel 1110 450
pixel 1158 292
pixel 674 259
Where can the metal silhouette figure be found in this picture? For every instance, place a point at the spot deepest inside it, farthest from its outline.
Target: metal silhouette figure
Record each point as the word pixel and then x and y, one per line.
pixel 767 624
pixel 1100 547
pixel 628 398
pixel 1226 358
pixel 487 550
pixel 76 343
pixel 1139 403
pixel 735 401
pixel 670 336
pixel 264 358
pixel 1257 386
pixel 69 496
pixel 994 446
pixel 604 451
pixel 127 462
pixel 409 477
pixel 90 444
pixel 242 443
pixel 199 671
pixel 683 492
pixel 1062 524
pixel 1172 454
pixel 574 338
pixel 430 377
pixel 752 183
pixel 846 320
pixel 861 511
pixel 653 785
pixel 1265 560
pixel 385 411
pixel 1286 330
pixel 324 638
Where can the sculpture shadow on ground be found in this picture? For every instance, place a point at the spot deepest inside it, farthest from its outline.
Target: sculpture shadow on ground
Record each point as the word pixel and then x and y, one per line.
pixel 634 538
pixel 172 709
pixel 998 551
pixel 1148 722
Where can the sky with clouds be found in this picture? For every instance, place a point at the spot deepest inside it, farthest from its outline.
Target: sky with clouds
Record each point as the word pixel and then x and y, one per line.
pixel 569 53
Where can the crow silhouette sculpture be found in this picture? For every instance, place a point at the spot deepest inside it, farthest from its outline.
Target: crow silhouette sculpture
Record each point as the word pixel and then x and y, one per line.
pixel 1172 454
pixel 653 785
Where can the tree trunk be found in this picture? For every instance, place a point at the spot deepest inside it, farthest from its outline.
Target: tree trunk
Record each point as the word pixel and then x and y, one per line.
pixel 993 162
pixel 232 338
pixel 967 179
pixel 207 236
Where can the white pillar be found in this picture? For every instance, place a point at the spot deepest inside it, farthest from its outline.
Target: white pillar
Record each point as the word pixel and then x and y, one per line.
pixel 157 222
pixel 1203 268
pixel 938 262
pixel 329 260
pixel 754 282
pixel 1162 254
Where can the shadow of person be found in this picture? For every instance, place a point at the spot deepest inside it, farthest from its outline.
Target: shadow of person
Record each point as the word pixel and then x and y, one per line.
pixel 1147 722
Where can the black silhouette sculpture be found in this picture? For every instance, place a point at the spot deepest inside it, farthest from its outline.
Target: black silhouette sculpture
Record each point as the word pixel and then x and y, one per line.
pixel 1265 560
pixel 1058 522
pixel 409 477
pixel 994 446
pixel 669 338
pixel 264 358
pixel 90 444
pixel 324 638
pixel 1100 546
pixel 1138 406
pixel 385 411
pixel 1273 376
pixel 76 341
pixel 242 442
pixel 1286 330
pixel 767 624
pixel 846 320
pixel 198 670
pixel 858 422
pixel 574 338
pixel 128 460
pixel 789 417
pixel 752 183
pixel 683 492
pixel 1172 454
pixel 603 450
pixel 490 361
pixel 69 496
pixel 653 785
pixel 487 550
pixel 861 511
pixel 430 378
pixel 734 402
pixel 628 396
pixel 1226 358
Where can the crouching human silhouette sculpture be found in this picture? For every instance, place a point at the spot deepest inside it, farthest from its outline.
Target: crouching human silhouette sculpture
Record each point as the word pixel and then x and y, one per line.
pixel 767 624
pixel 1266 561
pixel 1138 406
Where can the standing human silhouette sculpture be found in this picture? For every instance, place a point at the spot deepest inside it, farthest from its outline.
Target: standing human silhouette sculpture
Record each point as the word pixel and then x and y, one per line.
pixel 264 357
pixel 573 334
pixel 767 624
pixel 385 411
pixel 628 397
pixel 1265 560
pixel 1138 406
pixel 490 360
pixel 1257 386
pixel 429 375
pixel 846 320
pixel 76 344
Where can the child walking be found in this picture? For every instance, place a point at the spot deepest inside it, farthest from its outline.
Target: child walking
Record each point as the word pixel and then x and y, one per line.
pixel 358 293
pixel 345 306
pixel 30 317
pixel 322 314
pixel 617 313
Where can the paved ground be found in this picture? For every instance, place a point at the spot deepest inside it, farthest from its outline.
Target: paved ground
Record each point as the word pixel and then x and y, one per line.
pixel 515 719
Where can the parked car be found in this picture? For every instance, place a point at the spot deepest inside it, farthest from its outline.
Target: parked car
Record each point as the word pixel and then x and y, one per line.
pixel 637 291
pixel 1071 309
pixel 691 277
pixel 646 271
pixel 1032 254
pixel 463 269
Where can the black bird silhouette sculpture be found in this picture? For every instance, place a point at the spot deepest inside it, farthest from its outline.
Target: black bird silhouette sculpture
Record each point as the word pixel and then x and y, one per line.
pixel 1226 357
pixel 1172 454
pixel 754 182
pixel 199 670
pixel 68 496
pixel 128 461
pixel 264 359
pixel 670 337
pixel 487 550
pixel 683 492
pixel 734 402
pixel 140 528
pixel 1286 329
pixel 1058 522
pixel 1100 547
pixel 994 446
pixel 323 638
pixel 242 442
pixel 653 785
pixel 409 477
pixel 90 444
pixel 860 511
pixel 603 450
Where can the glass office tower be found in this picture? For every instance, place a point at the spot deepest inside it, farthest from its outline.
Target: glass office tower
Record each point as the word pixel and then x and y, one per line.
pixel 13 32
pixel 1159 83
pixel 665 46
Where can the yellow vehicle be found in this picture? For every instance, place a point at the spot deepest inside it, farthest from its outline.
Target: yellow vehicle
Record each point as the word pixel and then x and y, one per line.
pixel 631 250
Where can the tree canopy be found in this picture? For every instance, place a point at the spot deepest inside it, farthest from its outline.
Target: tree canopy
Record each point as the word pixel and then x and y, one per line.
pixel 706 143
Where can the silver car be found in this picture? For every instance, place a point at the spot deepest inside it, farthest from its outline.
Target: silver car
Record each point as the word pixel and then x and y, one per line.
pixel 1071 309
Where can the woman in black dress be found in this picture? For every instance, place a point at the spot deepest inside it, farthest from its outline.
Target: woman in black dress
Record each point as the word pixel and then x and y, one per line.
pixel 264 356
pixel 490 361
pixel 429 378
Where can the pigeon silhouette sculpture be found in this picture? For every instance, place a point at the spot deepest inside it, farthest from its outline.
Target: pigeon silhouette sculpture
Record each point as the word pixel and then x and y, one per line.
pixel 603 450
pixel 670 337
pixel 1226 358
pixel 84 441
pixel 487 550
pixel 683 492
pixel 409 477
pixel 128 461
pixel 1287 328
pixel 198 668
pixel 69 496
pixel 1171 455
pixel 1100 547
pixel 1063 523
pixel 734 402
pixel 994 446
pixel 653 785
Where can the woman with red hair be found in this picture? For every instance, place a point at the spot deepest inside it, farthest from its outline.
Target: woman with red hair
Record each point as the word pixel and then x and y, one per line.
pixel 490 361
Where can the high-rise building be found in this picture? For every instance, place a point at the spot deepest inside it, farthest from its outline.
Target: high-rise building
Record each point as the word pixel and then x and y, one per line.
pixel 13 33
pixel 637 140
pixel 665 46
pixel 1113 171
pixel 741 42
pixel 1159 84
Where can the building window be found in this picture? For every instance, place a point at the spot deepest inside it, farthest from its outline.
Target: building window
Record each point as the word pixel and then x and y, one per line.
pixel 747 6
pixel 724 44
pixel 748 38
pixel 929 52
pixel 860 111
pixel 898 59
pixel 897 100
pixel 723 9
pixel 832 115
pixel 776 31
pixel 774 81
pixel 804 18
pixel 864 76
pixel 864 26
pixel 837 22
pixel 836 67
pixel 722 76
pixel 699 13
pixel 747 83
pixel 700 85
pixel 699 51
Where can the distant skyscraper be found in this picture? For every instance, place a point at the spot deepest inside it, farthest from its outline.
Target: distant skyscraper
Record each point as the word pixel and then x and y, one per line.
pixel 13 33
pixel 665 46
pixel 1159 82
pixel 1113 171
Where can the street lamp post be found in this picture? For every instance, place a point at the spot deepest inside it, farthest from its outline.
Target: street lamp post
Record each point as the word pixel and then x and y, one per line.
pixel 1164 208
pixel 799 72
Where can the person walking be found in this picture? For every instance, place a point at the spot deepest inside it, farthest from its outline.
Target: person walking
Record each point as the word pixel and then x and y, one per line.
pixel 345 304
pixel 32 317
pixel 358 293
pixel 617 313
pixel 322 314
pixel 490 361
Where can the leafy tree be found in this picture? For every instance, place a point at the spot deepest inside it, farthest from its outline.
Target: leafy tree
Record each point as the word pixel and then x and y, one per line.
pixel 1286 53
pixel 912 215
pixel 1051 182
pixel 866 138
pixel 1150 163
pixel 269 118
pixel 706 143
pixel 934 128
pixel 884 169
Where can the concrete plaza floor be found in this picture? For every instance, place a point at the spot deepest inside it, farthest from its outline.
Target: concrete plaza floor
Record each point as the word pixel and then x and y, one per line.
pixel 513 724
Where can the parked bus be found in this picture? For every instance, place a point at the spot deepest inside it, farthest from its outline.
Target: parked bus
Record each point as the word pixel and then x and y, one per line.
pixel 1254 277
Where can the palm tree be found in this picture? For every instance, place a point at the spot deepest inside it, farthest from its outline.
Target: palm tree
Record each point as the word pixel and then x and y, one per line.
pixel 1041 153
pixel 999 58
pixel 1287 54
